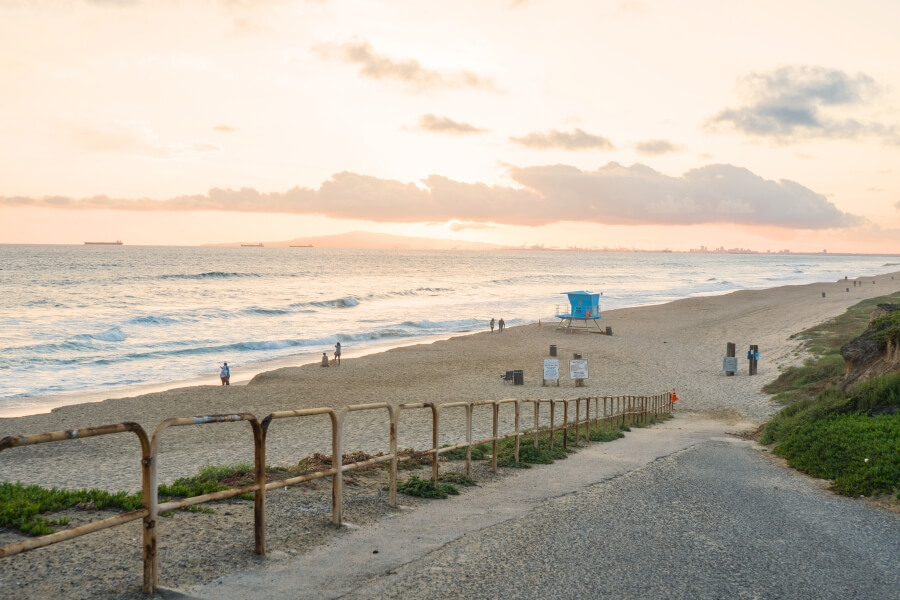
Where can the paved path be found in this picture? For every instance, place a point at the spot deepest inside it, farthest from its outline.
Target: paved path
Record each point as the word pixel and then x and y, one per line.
pixel 680 511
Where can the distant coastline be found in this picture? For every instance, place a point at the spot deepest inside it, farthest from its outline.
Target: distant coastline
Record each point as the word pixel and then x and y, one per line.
pixel 115 243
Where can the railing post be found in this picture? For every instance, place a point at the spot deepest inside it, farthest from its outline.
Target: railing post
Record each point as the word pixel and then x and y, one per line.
pixel 151 536
pixel 469 409
pixel 552 424
pixel 337 463
pixel 565 426
pixel 434 445
pixel 537 422
pixel 577 418
pixel 259 496
pixel 392 474
pixel 496 412
pixel 150 501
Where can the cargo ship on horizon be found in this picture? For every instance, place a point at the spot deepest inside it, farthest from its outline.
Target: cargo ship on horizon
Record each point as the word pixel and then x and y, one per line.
pixel 115 243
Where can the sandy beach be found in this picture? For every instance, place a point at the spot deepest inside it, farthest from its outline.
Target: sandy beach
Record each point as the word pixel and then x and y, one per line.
pixel 653 349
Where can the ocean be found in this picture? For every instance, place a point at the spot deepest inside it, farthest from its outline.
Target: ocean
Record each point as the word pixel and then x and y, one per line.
pixel 109 319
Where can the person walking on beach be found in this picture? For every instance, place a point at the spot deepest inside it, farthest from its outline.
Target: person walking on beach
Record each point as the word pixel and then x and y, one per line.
pixel 501 324
pixel 225 374
pixel 324 359
pixel 492 324
pixel 337 353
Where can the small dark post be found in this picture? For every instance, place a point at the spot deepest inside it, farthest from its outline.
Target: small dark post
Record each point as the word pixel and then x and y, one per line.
pixel 730 352
pixel 752 355
pixel 552 349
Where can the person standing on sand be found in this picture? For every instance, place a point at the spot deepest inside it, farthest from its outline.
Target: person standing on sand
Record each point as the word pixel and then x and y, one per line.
pixel 492 324
pixel 324 359
pixel 337 353
pixel 501 325
pixel 225 374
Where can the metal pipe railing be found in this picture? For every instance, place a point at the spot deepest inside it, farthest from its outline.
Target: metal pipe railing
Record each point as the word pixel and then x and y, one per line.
pixel 619 409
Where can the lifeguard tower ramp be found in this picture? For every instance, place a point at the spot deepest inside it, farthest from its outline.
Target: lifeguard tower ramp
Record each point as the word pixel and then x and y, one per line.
pixel 584 312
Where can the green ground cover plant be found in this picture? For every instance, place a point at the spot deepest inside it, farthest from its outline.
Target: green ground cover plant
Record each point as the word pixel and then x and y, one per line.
pixel 426 488
pixel 21 506
pixel 859 453
pixel 823 342
pixel 852 439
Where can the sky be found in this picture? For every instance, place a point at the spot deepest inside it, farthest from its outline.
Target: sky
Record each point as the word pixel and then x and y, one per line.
pixel 767 125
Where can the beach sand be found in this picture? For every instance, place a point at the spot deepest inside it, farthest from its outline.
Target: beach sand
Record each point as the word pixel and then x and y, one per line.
pixel 652 350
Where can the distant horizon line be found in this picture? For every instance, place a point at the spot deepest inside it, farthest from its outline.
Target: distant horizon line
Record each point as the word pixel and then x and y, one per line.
pixel 497 248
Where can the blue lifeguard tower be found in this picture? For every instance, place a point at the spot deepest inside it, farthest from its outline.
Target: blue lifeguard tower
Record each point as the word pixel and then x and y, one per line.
pixel 584 312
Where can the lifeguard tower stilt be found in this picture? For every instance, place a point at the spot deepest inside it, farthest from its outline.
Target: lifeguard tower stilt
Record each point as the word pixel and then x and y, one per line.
pixel 584 313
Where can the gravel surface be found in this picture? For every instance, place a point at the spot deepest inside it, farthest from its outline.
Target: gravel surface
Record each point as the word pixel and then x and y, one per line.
pixel 194 547
pixel 713 521
pixel 682 510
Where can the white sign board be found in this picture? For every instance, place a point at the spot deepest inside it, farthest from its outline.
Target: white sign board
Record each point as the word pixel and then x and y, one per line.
pixel 551 368
pixel 578 368
pixel 729 364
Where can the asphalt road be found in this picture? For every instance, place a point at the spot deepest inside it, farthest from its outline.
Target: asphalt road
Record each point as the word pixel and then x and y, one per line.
pixel 679 511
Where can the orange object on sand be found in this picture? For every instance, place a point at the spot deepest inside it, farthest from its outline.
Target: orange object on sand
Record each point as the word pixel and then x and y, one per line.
pixel 674 396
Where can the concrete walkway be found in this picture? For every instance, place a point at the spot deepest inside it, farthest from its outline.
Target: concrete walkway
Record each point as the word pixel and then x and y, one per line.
pixel 682 510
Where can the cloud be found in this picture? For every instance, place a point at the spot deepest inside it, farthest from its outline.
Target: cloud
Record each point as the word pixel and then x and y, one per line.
pixel 656 147
pixel 130 137
pixel 796 103
pixel 408 71
pixel 712 194
pixel 613 194
pixel 457 226
pixel 576 140
pixel 446 125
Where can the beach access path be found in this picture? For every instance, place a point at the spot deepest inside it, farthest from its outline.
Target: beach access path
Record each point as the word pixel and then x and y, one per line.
pixel 685 509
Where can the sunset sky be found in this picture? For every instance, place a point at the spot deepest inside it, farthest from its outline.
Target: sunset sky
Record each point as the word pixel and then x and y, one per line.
pixel 647 124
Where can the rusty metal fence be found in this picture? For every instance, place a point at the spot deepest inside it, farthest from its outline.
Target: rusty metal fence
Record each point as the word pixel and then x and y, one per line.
pixel 615 410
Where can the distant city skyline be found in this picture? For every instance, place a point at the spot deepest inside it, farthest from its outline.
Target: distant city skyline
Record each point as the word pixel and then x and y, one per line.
pixel 510 122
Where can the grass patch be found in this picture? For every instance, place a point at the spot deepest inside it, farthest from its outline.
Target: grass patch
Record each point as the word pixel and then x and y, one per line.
pixel 829 434
pixel 426 488
pixel 859 453
pixel 21 506
pixel 886 329
pixel 479 452
pixel 825 367
pixel 458 479
pixel 606 434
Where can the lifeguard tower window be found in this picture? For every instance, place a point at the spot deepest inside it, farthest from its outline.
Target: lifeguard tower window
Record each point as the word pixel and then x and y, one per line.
pixel 584 312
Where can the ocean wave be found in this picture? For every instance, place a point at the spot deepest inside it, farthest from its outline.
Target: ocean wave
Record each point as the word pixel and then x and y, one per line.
pixel 152 320
pixel 208 275
pixel 256 310
pixel 347 302
pixel 114 334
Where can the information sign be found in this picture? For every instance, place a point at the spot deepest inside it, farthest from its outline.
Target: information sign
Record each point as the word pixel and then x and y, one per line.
pixel 729 364
pixel 578 368
pixel 551 368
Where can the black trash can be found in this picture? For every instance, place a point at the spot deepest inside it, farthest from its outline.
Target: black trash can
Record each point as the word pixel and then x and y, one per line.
pixel 552 349
pixel 518 377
